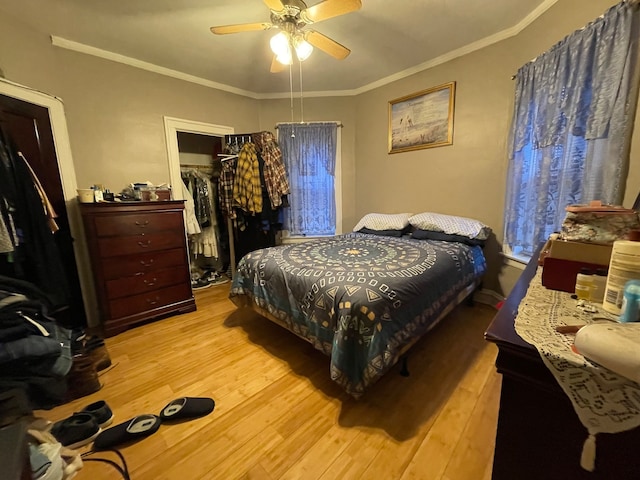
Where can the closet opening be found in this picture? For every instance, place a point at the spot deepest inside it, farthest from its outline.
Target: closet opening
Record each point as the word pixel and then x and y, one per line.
pixel 209 241
pixel 195 166
pixel 235 188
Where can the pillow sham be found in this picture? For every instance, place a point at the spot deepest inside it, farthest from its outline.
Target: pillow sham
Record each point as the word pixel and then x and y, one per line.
pixel 447 237
pixel 383 221
pixel 450 224
pixel 384 233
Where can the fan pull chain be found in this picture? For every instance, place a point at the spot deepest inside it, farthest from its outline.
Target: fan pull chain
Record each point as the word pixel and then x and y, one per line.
pixel 293 135
pixel 301 96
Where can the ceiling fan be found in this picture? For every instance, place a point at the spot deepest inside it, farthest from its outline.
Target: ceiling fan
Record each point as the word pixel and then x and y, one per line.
pixel 291 17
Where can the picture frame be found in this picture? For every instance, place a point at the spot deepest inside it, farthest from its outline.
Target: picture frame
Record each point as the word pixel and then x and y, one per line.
pixel 422 120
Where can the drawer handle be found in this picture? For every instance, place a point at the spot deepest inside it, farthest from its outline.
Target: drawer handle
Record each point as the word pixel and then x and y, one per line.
pixel 145 244
pixel 147 264
pixel 153 302
pixel 150 283
pixel 142 224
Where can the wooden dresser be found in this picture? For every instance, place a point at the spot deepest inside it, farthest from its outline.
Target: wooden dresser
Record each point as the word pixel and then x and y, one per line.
pixel 139 259
pixel 539 435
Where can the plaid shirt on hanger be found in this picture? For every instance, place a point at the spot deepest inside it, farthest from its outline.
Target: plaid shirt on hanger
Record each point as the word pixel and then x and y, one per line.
pixel 275 175
pixel 225 188
pixel 247 189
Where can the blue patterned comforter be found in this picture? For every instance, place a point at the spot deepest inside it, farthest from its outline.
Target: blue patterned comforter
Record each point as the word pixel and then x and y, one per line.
pixel 358 298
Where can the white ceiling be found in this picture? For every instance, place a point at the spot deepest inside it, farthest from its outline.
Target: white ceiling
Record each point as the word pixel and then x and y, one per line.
pixel 388 39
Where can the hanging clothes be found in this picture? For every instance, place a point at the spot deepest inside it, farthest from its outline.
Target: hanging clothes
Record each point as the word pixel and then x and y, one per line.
pixel 225 187
pixel 202 192
pixel 8 234
pixel 192 224
pixel 252 189
pixel 36 256
pixel 247 189
pixel 46 204
pixel 275 175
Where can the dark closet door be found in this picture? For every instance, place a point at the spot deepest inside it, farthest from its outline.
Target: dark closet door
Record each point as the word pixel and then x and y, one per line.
pixel 29 126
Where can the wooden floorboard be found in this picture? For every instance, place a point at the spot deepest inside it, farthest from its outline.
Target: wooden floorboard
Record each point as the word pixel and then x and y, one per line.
pixel 279 416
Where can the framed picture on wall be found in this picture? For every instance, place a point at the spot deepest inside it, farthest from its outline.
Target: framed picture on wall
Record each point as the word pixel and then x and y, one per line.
pixel 422 120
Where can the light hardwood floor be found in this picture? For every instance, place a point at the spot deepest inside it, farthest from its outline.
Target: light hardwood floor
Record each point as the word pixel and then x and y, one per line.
pixel 279 416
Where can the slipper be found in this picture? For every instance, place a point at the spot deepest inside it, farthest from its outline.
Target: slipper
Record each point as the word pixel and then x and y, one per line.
pixel 187 407
pixel 138 427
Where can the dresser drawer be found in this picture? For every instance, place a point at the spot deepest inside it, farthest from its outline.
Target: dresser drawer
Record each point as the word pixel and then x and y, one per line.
pixel 137 244
pixel 116 267
pixel 126 306
pixel 133 224
pixel 146 282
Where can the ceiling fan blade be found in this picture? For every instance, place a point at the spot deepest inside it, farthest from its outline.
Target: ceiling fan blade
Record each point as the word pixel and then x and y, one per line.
pixel 275 5
pixel 329 9
pixel 276 66
pixel 243 27
pixel 327 45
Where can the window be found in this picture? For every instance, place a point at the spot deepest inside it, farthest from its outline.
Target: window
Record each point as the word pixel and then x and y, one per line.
pixel 571 129
pixel 311 156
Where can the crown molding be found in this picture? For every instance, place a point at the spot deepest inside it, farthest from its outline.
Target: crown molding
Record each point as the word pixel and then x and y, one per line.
pixel 472 47
pixel 151 67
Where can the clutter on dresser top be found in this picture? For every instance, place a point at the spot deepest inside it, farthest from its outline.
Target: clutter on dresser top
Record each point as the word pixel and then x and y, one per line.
pixel 138 191
pixel 595 255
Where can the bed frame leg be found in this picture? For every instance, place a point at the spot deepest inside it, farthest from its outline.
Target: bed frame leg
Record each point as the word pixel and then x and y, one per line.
pixel 469 300
pixel 404 371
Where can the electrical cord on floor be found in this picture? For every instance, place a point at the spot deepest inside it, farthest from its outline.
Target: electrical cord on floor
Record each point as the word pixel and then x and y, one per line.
pixel 124 470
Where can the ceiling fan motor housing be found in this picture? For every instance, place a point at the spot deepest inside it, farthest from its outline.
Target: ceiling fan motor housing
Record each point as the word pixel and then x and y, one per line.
pixel 290 18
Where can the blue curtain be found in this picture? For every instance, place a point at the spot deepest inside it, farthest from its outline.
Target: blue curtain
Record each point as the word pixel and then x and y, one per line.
pixel 571 128
pixel 309 154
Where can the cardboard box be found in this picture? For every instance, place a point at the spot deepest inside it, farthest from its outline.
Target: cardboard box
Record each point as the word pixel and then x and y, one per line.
pixel 581 252
pixel 560 274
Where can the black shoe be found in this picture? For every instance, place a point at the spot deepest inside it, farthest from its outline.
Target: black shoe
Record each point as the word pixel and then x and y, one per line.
pixel 101 412
pixel 200 283
pixel 127 432
pixel 78 339
pixel 214 278
pixel 77 430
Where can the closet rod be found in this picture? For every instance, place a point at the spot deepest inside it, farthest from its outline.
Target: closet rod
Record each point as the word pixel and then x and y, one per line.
pixel 195 165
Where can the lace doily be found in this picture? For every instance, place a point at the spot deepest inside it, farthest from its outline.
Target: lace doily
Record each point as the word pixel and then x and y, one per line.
pixel 605 402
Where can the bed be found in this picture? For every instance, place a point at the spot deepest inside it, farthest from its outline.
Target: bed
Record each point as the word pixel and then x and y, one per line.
pixel 362 299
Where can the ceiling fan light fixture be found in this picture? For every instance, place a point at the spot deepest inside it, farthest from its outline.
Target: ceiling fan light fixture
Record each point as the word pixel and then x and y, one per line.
pixel 280 44
pixel 286 58
pixel 303 48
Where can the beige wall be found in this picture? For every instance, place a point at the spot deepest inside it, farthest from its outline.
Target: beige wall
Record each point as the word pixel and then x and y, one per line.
pixel 114 111
pixel 116 129
pixel 468 177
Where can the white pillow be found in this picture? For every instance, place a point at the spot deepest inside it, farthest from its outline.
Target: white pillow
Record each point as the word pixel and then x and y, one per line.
pixel 383 221
pixel 450 224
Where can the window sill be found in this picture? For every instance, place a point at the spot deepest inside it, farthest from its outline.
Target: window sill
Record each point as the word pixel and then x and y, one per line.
pixel 516 261
pixel 300 239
